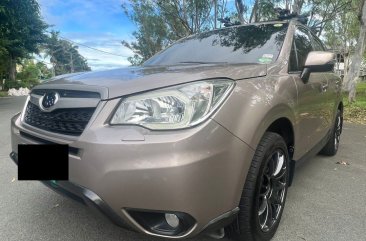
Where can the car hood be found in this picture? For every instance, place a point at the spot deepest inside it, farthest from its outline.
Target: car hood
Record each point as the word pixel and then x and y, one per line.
pixel 129 80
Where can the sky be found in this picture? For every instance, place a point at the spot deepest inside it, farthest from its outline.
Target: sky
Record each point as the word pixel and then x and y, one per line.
pixel 100 24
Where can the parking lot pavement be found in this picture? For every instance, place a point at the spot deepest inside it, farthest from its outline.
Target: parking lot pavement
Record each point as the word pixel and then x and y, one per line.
pixel 326 202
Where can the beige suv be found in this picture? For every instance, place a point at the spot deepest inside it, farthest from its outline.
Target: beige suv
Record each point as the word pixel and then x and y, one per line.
pixel 203 138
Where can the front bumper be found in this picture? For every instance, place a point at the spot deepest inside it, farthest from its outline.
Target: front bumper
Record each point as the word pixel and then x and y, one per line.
pixel 198 171
pixel 83 196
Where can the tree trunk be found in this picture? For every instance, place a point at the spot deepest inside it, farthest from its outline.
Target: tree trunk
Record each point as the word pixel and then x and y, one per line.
pixel 215 14
pixel 240 9
pixel 356 59
pixel 196 18
pixel 253 15
pixel 297 6
pixel 12 68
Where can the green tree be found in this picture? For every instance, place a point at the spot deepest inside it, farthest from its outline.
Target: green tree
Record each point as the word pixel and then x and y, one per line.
pixel 260 10
pixel 64 56
pixel 21 32
pixel 45 72
pixel 352 77
pixel 324 13
pixel 159 23
pixel 29 75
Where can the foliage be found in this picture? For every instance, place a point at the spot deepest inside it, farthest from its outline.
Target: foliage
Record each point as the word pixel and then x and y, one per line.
pixel 4 67
pixel 21 31
pixel 30 75
pixel 264 10
pixel 159 23
pixel 3 93
pixel 13 84
pixel 152 33
pixel 64 56
pixel 361 95
pixel 22 34
pixel 335 15
pixel 356 111
pixel 46 73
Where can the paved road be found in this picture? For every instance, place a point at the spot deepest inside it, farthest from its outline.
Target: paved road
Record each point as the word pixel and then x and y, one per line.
pixel 326 202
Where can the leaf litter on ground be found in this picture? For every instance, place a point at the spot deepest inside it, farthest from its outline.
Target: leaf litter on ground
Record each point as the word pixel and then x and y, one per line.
pixel 344 163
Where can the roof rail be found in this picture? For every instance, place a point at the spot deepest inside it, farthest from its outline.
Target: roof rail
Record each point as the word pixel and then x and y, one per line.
pixel 285 14
pixel 227 22
pixel 282 14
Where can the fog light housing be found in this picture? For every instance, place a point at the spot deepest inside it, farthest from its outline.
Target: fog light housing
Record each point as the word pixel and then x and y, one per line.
pixel 163 223
pixel 172 220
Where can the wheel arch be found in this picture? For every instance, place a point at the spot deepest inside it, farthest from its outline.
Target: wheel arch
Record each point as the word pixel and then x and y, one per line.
pixel 284 128
pixel 340 106
pixel 280 120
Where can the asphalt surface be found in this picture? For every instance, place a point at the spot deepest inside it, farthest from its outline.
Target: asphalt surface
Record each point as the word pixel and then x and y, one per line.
pixel 326 202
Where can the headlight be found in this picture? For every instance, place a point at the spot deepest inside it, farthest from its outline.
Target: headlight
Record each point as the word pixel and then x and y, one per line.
pixel 176 107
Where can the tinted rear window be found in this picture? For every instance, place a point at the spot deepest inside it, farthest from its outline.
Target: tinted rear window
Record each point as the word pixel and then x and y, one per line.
pixel 244 44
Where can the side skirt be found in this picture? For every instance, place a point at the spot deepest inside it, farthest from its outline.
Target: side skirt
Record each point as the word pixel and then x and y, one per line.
pixel 313 152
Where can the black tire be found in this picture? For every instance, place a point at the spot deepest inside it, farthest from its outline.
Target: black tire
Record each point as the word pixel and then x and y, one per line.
pixel 259 191
pixel 331 148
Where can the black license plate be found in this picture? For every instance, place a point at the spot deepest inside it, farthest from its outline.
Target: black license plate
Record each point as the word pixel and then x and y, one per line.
pixel 43 162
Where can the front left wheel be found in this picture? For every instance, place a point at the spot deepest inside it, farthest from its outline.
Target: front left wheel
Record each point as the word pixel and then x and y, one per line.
pixel 264 194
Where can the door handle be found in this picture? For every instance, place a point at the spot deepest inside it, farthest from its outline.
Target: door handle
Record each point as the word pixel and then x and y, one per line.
pixel 324 87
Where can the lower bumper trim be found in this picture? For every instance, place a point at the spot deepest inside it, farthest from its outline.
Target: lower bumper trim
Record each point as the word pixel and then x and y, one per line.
pixel 88 198
pixel 14 157
pixel 83 196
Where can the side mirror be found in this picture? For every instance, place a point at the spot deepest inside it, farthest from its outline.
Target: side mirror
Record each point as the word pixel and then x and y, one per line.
pixel 318 61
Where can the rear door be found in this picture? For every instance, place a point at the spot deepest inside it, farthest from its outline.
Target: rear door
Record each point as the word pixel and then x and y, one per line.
pixel 333 90
pixel 312 97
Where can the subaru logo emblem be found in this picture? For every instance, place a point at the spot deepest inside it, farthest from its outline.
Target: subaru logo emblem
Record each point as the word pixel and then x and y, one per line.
pixel 49 100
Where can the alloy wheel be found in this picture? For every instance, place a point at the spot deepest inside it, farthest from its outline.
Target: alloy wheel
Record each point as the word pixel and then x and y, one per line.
pixel 337 134
pixel 273 190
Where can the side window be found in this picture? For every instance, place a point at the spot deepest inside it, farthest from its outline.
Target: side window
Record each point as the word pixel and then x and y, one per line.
pixel 318 46
pixel 301 47
pixel 293 64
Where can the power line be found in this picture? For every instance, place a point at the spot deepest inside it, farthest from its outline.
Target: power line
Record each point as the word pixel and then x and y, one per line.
pixel 45 62
pixel 86 46
pixel 93 48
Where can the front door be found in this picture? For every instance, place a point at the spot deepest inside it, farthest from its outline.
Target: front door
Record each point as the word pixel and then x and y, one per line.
pixel 311 115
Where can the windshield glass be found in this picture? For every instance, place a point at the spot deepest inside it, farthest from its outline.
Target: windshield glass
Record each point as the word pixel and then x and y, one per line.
pixel 245 44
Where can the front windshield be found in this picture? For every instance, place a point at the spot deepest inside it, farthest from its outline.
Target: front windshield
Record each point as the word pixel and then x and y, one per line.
pixel 245 44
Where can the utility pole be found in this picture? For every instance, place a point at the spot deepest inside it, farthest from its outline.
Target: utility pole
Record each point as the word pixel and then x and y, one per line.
pixel 53 70
pixel 71 62
pixel 54 60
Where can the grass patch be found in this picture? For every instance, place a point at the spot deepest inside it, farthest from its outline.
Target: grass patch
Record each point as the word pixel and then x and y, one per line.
pixel 3 93
pixel 356 112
